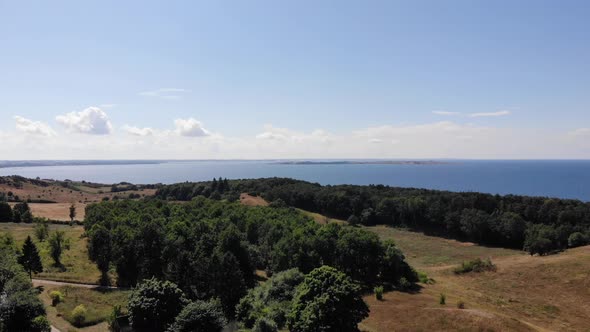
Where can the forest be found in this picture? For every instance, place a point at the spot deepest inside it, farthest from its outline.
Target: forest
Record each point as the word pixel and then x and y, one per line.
pixel 215 250
pixel 539 225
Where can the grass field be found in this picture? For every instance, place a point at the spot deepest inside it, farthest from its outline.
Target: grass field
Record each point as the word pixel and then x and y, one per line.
pixel 98 302
pixel 79 194
pixel 78 268
pixel 526 293
pixel 430 251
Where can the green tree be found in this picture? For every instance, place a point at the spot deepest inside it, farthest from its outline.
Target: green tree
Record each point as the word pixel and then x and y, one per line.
pixel 42 230
pixel 199 316
pixel 5 212
pixel 30 259
pixel 154 305
pixel 99 250
pixel 21 212
pixel 19 302
pixel 57 244
pixel 72 212
pixel 327 300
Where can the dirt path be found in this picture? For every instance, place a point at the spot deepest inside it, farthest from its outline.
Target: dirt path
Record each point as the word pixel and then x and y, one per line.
pixel 38 282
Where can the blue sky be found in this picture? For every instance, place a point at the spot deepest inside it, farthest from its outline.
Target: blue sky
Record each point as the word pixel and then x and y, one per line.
pixel 296 79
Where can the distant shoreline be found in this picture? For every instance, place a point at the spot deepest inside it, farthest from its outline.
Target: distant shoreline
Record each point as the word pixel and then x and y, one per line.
pixel 359 162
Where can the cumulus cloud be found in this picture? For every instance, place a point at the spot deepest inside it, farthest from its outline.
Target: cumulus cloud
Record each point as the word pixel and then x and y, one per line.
pixel 92 120
pixel 489 114
pixel 190 127
pixel 33 127
pixel 136 131
pixel 165 93
pixel 446 113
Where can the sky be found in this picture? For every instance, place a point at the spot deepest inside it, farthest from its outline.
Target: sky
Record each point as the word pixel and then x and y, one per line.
pixel 294 79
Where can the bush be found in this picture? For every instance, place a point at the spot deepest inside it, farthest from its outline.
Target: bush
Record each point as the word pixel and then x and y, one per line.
pixel 379 293
pixel 423 278
pixel 460 305
pixel 40 324
pixel 476 265
pixel 327 300
pixel 199 316
pixel 404 284
pixel 56 297
pixel 79 315
pixel 577 239
pixel 154 305
pixel 265 325
pixel 442 300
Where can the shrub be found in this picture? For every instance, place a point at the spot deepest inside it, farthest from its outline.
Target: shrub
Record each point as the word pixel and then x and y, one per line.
pixel 79 315
pixel 56 297
pixel 327 300
pixel 379 293
pixel 423 278
pixel 442 300
pixel 461 305
pixel 40 324
pixel 199 316
pixel 404 284
pixel 265 325
pixel 577 239
pixel 476 265
pixel 154 305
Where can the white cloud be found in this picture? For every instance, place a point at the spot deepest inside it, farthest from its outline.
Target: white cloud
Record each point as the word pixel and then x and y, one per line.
pixel 190 127
pixel 135 131
pixel 489 114
pixel 165 93
pixel 92 120
pixel 375 140
pixel 446 113
pixel 33 127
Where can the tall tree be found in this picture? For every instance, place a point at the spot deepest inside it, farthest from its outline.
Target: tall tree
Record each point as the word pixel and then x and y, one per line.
pixel 72 212
pixel 99 250
pixel 327 300
pixel 5 212
pixel 30 259
pixel 57 244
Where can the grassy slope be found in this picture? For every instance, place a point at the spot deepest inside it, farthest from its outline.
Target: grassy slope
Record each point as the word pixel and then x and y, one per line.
pixel 526 293
pixel 78 268
pixel 64 197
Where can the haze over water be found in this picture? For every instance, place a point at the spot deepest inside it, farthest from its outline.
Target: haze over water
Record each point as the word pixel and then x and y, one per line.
pixel 559 178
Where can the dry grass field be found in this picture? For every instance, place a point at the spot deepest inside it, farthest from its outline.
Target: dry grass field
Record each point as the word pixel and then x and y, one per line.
pixel 250 200
pixel 78 194
pixel 78 268
pixel 550 293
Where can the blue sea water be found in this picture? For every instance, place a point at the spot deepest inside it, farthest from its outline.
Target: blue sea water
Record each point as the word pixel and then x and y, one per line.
pixel 552 178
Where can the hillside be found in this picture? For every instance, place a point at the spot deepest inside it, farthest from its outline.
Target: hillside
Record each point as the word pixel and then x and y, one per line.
pixel 52 199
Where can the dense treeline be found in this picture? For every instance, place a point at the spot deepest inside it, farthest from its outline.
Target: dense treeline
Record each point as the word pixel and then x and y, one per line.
pixel 211 249
pixel 537 224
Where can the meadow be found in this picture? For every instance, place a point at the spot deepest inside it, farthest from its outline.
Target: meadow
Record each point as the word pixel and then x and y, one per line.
pixel 76 267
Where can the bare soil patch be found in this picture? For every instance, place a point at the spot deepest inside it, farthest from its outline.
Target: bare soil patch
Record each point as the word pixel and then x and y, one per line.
pixel 250 200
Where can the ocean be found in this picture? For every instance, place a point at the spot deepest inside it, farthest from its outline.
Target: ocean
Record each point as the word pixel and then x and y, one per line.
pixel 550 178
